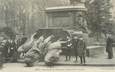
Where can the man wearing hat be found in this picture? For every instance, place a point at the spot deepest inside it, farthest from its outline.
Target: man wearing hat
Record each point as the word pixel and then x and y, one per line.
pixel 2 50
pixel 74 43
pixel 109 49
pixel 79 46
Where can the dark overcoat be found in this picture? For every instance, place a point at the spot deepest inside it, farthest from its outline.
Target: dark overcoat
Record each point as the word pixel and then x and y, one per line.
pixel 80 47
pixel 109 45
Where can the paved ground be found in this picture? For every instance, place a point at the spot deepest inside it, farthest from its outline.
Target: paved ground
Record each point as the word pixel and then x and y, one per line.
pixel 98 59
pixel 99 63
pixel 17 67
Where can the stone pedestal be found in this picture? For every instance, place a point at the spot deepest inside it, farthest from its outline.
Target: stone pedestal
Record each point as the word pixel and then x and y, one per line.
pixel 71 17
pixel 95 51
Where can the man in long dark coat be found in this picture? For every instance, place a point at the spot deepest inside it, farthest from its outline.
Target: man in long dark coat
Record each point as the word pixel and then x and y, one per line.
pixel 81 49
pixel 1 54
pixel 109 49
pixel 12 54
pixel 2 51
pixel 74 42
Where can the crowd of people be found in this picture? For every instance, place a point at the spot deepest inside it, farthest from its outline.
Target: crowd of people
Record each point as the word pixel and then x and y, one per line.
pixel 43 49
pixel 8 48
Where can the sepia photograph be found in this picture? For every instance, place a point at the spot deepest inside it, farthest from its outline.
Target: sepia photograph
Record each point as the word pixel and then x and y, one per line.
pixel 57 35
